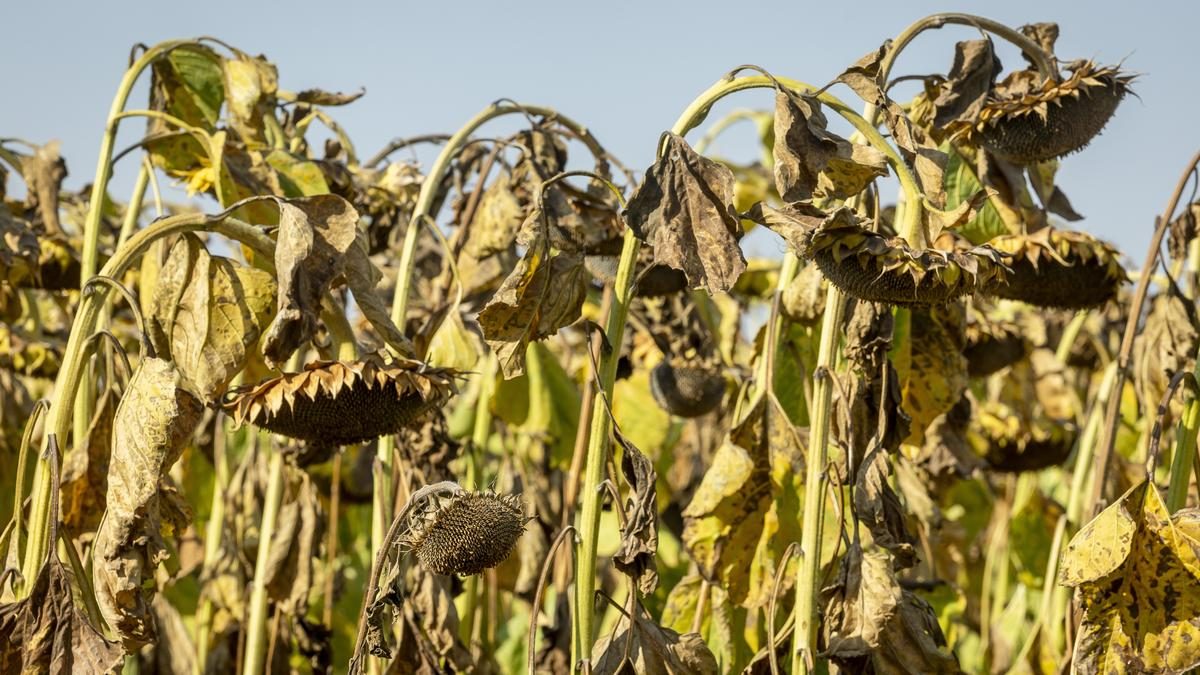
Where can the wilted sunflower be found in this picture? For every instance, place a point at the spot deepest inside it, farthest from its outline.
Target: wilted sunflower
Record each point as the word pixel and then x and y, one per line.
pixel 1011 442
pixel 465 532
pixel 687 389
pixel 992 345
pixel 333 403
pixel 870 266
pixel 1053 268
pixel 1029 119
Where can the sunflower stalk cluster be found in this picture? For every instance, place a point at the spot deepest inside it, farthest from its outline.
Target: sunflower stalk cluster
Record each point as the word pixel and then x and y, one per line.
pixel 518 408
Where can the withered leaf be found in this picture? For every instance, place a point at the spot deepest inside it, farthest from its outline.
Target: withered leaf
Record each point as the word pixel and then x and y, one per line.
pixel 19 248
pixel 879 509
pixel 1045 34
pixel 747 508
pixel 153 423
pixel 208 312
pixel 792 221
pixel 85 469
pixel 497 219
pixel 544 293
pixel 250 87
pixel 812 162
pixel 294 546
pixel 863 75
pixel 187 84
pixel 639 538
pixel 44 172
pixel 1138 574
pixel 46 633
pixel 919 150
pixel 872 625
pixel 1167 343
pixel 649 649
pixel 937 373
pixel 322 97
pixel 315 234
pixel 685 210
pixel 962 96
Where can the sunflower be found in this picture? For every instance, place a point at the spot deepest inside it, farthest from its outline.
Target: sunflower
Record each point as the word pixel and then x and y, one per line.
pixel 1054 268
pixel 870 266
pixel 334 403
pixel 1029 119
pixel 465 532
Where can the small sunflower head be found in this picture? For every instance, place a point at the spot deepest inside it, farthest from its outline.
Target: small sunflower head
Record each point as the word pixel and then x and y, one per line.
pixel 465 532
pixel 1012 443
pixel 869 266
pixel 687 389
pixel 1053 268
pixel 1030 119
pixel 334 403
pixel 992 345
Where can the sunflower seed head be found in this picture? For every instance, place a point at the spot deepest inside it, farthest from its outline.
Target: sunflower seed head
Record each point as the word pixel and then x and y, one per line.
pixel 465 533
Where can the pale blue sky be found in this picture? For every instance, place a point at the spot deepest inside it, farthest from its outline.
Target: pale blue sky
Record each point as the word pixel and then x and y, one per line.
pixel 625 69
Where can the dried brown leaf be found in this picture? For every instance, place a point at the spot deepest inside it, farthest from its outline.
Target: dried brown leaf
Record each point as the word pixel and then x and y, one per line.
pixel 962 96
pixel 153 423
pixel 649 649
pixel 639 538
pixel 207 313
pixel 544 293
pixel 684 210
pixel 315 234
pixel 813 163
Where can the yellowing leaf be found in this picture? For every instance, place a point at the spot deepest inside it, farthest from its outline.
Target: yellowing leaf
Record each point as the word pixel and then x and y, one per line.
pixel 209 311
pixel 1139 578
pixel 937 370
pixel 153 423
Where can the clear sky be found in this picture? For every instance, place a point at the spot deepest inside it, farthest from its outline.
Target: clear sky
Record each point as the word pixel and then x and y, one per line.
pixel 626 69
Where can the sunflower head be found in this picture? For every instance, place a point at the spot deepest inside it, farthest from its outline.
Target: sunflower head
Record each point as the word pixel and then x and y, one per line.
pixel 1030 119
pixel 687 389
pixel 333 403
pixel 869 266
pixel 992 346
pixel 1053 268
pixel 465 532
pixel 1012 443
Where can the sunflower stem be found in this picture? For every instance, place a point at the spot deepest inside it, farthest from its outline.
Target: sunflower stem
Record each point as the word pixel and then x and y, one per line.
pixel 804 649
pixel 1043 61
pixel 70 374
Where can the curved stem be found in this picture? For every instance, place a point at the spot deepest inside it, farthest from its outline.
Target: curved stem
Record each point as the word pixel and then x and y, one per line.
pixel 911 228
pixel 1043 61
pixel 1112 413
pixel 70 374
pixel 91 224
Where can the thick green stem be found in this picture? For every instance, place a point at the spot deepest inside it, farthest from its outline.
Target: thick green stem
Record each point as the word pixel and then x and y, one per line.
pixel 70 375
pixel 597 452
pixel 808 575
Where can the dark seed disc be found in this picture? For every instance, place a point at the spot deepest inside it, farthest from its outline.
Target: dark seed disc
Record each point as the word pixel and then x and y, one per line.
pixel 1069 125
pixel 687 391
pixel 892 287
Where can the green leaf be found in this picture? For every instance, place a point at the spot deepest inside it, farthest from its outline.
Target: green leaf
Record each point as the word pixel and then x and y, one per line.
pixel 961 185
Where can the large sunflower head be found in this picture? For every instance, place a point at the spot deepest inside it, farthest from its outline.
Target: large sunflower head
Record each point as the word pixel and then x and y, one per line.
pixel 465 532
pixel 333 403
pixel 1055 268
pixel 1029 119
pixel 870 266
pixel 1011 442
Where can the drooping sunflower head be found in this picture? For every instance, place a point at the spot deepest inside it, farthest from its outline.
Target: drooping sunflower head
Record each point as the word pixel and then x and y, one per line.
pixel 1010 442
pixel 1055 268
pixel 687 389
pixel 870 266
pixel 992 345
pixel 333 403
pixel 1029 119
pixel 465 532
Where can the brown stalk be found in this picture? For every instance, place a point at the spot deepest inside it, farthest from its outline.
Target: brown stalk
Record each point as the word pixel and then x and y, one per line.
pixel 1104 450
